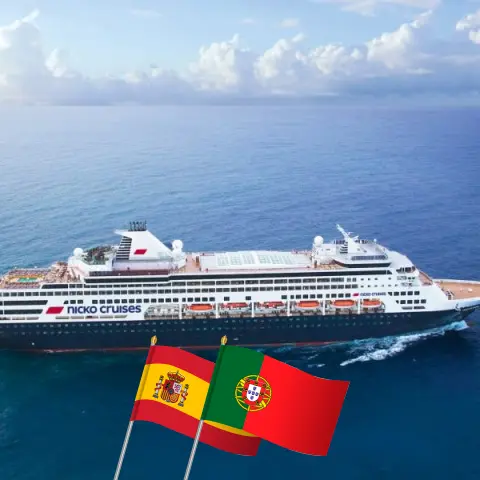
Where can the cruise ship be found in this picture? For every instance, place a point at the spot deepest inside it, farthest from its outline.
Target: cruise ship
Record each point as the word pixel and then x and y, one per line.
pixel 118 296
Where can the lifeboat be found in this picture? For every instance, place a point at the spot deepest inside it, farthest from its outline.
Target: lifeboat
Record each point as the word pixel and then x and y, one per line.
pixel 236 306
pixel 373 303
pixel 308 305
pixel 272 305
pixel 343 303
pixel 200 308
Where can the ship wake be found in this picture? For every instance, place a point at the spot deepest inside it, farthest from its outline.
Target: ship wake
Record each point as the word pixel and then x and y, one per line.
pixel 387 347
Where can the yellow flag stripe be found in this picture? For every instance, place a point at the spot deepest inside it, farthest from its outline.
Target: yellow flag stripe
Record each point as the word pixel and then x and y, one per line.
pixel 195 388
pixel 229 429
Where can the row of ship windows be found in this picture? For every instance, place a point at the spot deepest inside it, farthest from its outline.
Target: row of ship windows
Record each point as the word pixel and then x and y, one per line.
pixel 350 283
pixel 410 302
pixel 404 293
pixel 197 329
pixel 176 291
pixel 369 319
pixel 238 282
pixel 198 290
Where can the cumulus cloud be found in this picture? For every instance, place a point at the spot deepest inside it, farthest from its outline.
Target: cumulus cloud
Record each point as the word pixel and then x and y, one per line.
pixel 471 23
pixel 224 66
pixel 369 7
pixel 408 60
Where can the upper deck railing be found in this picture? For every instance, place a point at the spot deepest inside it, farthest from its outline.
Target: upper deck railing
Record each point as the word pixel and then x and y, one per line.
pixel 425 279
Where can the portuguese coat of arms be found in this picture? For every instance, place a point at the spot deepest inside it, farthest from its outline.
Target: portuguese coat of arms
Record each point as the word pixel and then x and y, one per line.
pixel 253 393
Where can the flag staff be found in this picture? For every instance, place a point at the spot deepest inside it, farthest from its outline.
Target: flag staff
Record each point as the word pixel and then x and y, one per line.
pixel 153 341
pixel 223 342
pixel 124 449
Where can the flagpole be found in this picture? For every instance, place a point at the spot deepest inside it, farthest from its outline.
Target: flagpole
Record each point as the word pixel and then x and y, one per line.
pixel 194 448
pixel 200 423
pixel 124 449
pixel 153 342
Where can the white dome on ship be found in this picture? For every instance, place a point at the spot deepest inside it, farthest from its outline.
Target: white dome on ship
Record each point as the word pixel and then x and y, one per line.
pixel 78 252
pixel 177 244
pixel 318 241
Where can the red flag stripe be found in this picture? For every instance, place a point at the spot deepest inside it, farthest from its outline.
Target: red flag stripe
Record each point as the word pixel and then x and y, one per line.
pixel 302 414
pixel 156 412
pixel 183 360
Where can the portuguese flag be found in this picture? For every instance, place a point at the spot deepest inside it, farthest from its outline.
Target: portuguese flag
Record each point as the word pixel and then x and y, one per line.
pixel 274 401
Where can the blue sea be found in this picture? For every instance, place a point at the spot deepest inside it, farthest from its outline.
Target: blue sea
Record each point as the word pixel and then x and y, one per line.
pixel 246 178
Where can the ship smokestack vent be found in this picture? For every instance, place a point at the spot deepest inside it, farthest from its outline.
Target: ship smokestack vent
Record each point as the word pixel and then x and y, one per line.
pixel 138 226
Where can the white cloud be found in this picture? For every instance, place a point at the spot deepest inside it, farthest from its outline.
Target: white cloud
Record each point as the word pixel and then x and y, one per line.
pixel 408 60
pixel 471 23
pixel 290 23
pixel 223 66
pixel 145 13
pixel 399 50
pixel 369 7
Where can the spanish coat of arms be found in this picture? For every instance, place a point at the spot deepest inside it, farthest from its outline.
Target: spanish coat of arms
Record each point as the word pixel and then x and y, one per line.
pixel 170 390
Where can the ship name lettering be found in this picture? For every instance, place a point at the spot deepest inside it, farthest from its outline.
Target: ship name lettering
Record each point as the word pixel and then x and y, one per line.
pixel 93 309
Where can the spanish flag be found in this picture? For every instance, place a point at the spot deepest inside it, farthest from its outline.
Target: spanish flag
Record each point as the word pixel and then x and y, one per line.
pixel 172 393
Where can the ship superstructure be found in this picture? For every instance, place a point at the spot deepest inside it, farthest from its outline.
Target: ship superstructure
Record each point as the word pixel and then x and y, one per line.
pixel 116 296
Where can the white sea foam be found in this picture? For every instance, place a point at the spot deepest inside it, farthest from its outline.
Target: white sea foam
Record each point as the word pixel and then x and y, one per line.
pixel 316 365
pixel 284 349
pixel 391 346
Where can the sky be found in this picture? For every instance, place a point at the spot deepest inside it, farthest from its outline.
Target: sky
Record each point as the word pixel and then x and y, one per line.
pixel 157 51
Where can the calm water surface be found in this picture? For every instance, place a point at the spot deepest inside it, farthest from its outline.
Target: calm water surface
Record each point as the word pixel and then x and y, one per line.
pixel 246 178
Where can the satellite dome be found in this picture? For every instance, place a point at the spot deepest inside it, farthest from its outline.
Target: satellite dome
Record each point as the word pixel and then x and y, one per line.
pixel 318 241
pixel 78 252
pixel 177 244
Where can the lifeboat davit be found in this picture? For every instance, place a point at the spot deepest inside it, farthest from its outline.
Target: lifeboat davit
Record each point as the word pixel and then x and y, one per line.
pixel 272 305
pixel 373 303
pixel 201 308
pixel 236 306
pixel 343 303
pixel 308 305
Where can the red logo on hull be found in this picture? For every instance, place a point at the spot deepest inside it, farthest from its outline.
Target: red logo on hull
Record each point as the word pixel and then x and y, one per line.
pixel 140 251
pixel 54 310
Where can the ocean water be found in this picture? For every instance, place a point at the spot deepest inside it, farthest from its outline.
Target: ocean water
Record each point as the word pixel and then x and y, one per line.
pixel 246 177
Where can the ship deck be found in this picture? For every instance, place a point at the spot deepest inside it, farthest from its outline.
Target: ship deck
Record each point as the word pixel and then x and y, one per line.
pixel 424 278
pixel 25 278
pixel 32 278
pixel 460 289
pixel 192 266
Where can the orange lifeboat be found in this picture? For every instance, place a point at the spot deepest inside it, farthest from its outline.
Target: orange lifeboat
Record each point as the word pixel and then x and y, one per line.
pixel 308 305
pixel 375 302
pixel 236 306
pixel 272 305
pixel 343 303
pixel 200 307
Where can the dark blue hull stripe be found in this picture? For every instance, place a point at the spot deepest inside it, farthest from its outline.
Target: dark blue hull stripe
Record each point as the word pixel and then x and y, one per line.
pixel 204 333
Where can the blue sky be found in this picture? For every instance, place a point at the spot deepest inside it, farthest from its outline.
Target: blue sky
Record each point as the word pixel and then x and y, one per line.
pixel 282 45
